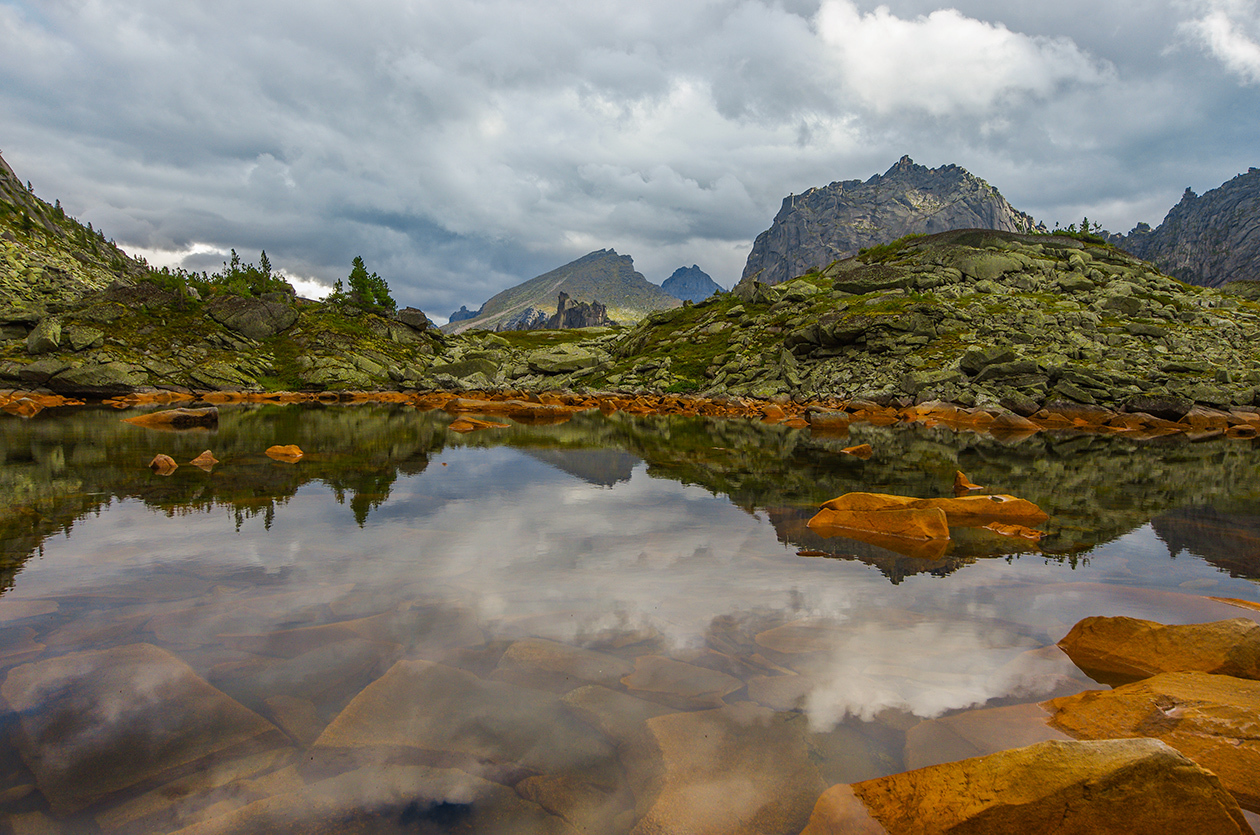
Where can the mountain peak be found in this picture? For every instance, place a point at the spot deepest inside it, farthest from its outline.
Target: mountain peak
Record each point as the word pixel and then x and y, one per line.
pixel 827 224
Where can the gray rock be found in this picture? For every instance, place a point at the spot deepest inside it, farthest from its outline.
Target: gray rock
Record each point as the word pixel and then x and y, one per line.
pixel 45 338
pixel 40 371
pixel 977 358
pixel 93 379
pixel 415 319
pixel 466 368
pixel 256 318
pixel 78 338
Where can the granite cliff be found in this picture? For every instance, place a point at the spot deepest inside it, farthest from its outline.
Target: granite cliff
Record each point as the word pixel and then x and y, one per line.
pixel 1207 240
pixel 827 224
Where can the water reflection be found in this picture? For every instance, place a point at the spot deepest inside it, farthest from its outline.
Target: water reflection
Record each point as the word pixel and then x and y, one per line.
pixel 594 626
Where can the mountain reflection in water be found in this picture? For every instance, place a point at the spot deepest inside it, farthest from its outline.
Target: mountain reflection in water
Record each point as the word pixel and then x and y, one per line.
pixel 584 626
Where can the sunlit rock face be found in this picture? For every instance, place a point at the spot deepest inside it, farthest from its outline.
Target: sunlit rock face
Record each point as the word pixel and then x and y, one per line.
pixel 826 224
pixel 1209 718
pixel 1129 785
pixel 1128 648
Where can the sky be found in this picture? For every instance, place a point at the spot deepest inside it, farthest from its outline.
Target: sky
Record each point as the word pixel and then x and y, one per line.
pixel 464 147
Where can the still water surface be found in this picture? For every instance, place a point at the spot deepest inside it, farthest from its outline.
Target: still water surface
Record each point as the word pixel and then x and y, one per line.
pixel 589 627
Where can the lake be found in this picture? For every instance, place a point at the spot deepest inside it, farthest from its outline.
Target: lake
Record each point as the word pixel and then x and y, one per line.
pixel 610 623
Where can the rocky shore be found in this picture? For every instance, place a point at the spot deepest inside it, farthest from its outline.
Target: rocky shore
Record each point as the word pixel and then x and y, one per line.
pixel 998 325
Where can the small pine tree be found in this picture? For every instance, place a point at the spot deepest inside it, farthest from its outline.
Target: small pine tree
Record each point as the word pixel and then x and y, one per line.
pixel 368 290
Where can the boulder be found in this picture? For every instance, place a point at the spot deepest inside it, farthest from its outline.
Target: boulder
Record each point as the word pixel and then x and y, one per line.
pixel 100 721
pixel 288 453
pixel 79 338
pixel 205 460
pixel 44 338
pixel 1126 785
pixel 93 379
pixel 1123 649
pixel 561 360
pixel 917 524
pixel 966 511
pixel 163 464
pixel 256 318
pixel 1209 718
pixel 415 319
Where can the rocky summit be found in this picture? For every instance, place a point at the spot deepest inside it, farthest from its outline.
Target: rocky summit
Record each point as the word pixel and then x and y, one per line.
pixel 1208 240
pixel 690 284
pixel 602 276
pixel 826 224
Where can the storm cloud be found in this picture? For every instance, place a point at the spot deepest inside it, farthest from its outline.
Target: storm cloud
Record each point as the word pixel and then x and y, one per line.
pixel 465 147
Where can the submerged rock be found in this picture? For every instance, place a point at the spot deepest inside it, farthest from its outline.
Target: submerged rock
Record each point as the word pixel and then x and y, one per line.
pixel 99 721
pixel 736 770
pixel 1129 785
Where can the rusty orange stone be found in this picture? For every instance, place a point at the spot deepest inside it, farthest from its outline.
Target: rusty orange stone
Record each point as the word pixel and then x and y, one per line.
pixel 862 451
pixel 163 464
pixel 289 453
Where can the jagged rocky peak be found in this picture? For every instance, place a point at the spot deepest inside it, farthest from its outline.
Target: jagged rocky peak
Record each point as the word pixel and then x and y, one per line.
pixel 690 284
pixel 1207 240
pixel 462 314
pixel 826 224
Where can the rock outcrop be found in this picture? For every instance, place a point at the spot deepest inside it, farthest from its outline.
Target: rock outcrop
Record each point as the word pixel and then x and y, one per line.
pixel 1125 785
pixel 1207 240
pixel 1122 648
pixel 463 313
pixel 1210 719
pixel 827 224
pixel 690 284
pixel 574 314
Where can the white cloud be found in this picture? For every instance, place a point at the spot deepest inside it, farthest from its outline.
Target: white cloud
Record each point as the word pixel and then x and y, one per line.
pixel 1230 31
pixel 945 62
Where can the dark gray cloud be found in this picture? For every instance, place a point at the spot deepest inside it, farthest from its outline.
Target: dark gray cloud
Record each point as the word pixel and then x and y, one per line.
pixel 462 148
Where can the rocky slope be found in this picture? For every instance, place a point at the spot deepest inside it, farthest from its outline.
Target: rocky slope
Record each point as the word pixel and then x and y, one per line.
pixel 602 276
pixel 690 284
pixel 826 224
pixel 47 258
pixel 1207 240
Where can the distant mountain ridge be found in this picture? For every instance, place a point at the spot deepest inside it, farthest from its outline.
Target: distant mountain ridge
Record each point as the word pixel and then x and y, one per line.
pixel 1207 240
pixel 601 276
pixel 690 284
pixel 826 224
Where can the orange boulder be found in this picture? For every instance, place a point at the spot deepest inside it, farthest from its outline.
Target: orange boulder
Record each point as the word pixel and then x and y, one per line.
pixel 163 464
pixel 289 453
pixel 963 485
pixel 862 451
pixel 205 460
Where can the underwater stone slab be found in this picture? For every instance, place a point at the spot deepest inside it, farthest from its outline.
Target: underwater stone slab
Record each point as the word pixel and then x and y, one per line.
pixel 734 770
pixel 400 798
pixel 549 665
pixel 99 721
pixel 679 684
pixel 436 708
pixel 975 733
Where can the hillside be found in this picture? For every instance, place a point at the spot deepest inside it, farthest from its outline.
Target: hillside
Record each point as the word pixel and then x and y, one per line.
pixel 1207 240
pixel 602 276
pixel 827 224
pixel 47 258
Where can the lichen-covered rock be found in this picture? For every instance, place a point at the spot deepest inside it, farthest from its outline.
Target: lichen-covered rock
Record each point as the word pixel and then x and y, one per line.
pixel 257 318
pixel 44 338
pixel 1130 785
pixel 95 379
